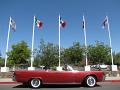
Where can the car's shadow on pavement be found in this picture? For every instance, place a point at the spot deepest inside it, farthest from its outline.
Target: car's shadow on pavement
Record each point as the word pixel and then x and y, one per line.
pixel 21 86
pixel 55 86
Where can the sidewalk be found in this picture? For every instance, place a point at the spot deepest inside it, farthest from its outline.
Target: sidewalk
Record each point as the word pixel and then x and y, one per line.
pixel 9 80
pixel 112 79
pixel 6 80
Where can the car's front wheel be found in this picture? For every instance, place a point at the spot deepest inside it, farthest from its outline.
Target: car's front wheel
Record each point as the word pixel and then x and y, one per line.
pixel 90 81
pixel 35 83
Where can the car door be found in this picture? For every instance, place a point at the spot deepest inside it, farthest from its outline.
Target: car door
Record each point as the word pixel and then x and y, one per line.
pixel 65 77
pixel 59 77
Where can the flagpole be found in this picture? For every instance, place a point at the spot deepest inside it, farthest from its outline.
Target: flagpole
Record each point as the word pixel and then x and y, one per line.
pixel 59 40
pixel 32 56
pixel 85 41
pixel 7 42
pixel 110 40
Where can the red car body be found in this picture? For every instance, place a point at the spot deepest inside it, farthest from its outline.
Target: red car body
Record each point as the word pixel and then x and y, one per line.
pixel 57 77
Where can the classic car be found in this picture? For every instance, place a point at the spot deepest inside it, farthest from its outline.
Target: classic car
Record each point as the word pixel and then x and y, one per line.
pixel 37 78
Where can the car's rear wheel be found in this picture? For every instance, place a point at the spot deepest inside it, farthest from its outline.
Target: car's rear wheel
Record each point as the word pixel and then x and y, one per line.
pixel 90 81
pixel 35 83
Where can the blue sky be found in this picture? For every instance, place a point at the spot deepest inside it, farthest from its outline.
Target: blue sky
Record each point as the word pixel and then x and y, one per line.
pixel 22 11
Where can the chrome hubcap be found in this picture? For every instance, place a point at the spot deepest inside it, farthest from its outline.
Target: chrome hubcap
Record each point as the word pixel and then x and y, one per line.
pixel 91 81
pixel 35 83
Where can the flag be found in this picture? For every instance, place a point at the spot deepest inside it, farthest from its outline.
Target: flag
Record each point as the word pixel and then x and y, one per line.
pixel 38 23
pixel 62 23
pixel 83 23
pixel 12 24
pixel 105 22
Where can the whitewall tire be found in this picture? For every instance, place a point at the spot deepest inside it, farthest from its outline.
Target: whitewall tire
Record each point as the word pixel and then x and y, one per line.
pixel 90 81
pixel 35 83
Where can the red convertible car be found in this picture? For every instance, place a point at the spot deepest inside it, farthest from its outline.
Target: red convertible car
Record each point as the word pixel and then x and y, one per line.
pixel 38 77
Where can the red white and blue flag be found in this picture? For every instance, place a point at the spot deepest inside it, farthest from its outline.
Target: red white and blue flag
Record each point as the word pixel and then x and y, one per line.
pixel 12 24
pixel 105 22
pixel 83 23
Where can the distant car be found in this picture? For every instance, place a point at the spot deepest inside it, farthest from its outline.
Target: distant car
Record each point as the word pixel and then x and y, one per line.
pixel 70 76
pixel 102 66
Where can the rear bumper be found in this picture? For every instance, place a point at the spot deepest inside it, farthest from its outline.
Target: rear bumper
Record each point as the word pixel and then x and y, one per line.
pixel 13 78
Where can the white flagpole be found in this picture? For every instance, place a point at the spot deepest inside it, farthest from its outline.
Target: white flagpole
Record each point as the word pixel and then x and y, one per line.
pixel 85 41
pixel 110 40
pixel 32 56
pixel 59 40
pixel 7 42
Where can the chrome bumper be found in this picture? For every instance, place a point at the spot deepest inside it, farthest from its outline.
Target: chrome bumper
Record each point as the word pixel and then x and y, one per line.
pixel 13 78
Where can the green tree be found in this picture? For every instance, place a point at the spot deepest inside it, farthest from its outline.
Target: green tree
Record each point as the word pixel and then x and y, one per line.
pixel 19 54
pixel 117 58
pixel 74 54
pixel 1 60
pixel 99 53
pixel 47 54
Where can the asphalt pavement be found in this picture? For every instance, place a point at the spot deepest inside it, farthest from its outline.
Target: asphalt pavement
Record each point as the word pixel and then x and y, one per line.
pixel 100 86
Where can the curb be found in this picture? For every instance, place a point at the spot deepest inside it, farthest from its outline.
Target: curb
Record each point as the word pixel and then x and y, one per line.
pixel 8 83
pixel 111 81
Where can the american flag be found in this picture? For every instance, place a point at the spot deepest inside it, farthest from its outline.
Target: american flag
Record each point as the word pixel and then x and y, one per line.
pixel 105 22
pixel 83 23
pixel 12 24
